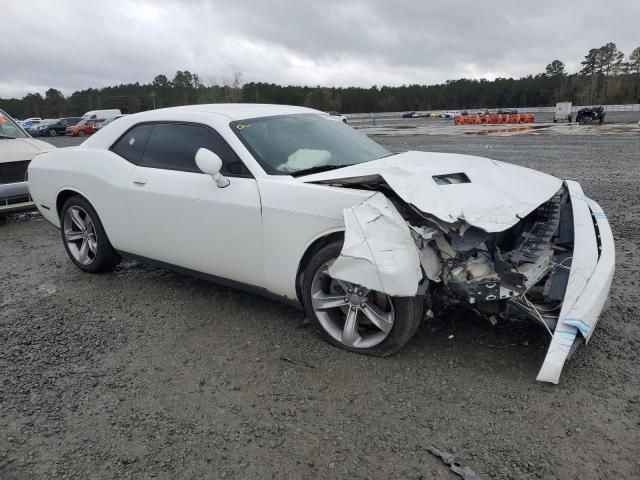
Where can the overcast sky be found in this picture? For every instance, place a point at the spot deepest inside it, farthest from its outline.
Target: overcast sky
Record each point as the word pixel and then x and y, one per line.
pixel 72 45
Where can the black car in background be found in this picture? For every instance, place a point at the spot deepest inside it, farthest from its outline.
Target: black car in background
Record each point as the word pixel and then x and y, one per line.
pixel 57 127
pixel 590 115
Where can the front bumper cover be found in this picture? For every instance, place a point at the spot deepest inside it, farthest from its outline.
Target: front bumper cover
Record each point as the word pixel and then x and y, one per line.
pixel 14 197
pixel 590 277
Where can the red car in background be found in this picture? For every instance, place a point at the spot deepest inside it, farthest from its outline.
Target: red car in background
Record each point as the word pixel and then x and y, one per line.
pixel 90 121
pixel 82 128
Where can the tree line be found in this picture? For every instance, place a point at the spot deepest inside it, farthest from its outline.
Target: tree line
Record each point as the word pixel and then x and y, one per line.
pixel 606 77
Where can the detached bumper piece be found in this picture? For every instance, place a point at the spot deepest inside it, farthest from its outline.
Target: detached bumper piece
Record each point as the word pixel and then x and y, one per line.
pixel 590 276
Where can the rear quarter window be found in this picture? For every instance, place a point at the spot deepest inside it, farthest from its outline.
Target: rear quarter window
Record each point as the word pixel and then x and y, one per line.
pixel 132 144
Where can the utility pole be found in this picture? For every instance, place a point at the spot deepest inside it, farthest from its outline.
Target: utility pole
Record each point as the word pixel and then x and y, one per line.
pixel 153 97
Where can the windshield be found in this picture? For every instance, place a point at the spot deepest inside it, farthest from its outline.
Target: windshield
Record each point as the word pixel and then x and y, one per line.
pixel 9 128
pixel 299 144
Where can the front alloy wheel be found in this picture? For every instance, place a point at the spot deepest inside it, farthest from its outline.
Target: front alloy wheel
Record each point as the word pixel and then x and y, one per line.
pixel 353 317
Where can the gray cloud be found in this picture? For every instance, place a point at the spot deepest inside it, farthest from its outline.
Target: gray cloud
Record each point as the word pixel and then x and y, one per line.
pixel 82 44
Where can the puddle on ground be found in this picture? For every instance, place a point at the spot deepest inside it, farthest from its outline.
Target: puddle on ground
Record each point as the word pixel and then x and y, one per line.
pixel 503 130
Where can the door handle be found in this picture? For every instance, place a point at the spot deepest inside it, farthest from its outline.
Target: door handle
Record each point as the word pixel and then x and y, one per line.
pixel 140 181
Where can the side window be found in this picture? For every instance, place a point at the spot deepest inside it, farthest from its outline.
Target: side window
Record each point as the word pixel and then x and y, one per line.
pixel 131 145
pixel 173 146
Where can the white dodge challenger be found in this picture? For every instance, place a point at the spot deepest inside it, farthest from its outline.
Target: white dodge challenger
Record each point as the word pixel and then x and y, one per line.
pixel 286 202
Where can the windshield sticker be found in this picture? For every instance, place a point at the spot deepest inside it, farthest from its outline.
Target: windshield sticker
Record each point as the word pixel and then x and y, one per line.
pixel 240 126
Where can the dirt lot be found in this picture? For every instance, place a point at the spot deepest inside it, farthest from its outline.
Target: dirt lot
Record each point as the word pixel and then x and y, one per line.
pixel 143 373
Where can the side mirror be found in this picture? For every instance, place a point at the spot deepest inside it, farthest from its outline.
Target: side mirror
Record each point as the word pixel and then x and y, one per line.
pixel 211 164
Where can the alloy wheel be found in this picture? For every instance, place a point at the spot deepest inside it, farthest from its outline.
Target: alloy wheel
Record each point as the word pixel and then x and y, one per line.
pixel 355 316
pixel 80 235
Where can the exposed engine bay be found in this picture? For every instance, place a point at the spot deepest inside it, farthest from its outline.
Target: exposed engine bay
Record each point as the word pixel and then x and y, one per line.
pixel 507 242
pixel 521 272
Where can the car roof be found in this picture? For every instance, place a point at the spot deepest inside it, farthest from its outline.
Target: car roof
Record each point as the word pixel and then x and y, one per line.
pixel 235 111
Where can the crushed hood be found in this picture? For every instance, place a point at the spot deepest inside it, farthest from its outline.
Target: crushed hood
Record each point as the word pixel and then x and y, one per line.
pixel 19 149
pixel 494 195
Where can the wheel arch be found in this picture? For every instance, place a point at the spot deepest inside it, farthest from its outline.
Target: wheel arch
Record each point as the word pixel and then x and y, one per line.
pixel 65 194
pixel 315 246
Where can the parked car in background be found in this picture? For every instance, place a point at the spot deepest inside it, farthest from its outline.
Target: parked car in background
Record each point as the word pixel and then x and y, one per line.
pixel 33 129
pixel 31 119
pixel 56 126
pixel 81 129
pixel 16 151
pixel 337 116
pixel 30 123
pixel 98 126
pixel 589 115
pixel 415 115
pixel 87 125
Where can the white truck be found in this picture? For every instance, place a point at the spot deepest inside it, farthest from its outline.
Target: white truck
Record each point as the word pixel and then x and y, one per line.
pixel 563 112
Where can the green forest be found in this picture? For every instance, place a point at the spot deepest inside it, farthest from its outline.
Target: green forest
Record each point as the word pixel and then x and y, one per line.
pixel 607 76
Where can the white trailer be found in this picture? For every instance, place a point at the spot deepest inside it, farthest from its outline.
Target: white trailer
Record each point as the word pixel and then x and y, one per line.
pixel 563 112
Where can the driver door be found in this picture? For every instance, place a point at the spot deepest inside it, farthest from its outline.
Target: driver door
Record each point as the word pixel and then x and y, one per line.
pixel 182 218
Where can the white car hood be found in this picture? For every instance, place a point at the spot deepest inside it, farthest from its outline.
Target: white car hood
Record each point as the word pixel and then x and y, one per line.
pixel 497 196
pixel 18 149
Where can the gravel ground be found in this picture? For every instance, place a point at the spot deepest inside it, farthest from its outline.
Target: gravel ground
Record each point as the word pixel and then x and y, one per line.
pixel 143 373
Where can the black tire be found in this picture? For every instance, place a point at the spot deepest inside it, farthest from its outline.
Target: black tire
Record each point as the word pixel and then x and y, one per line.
pixel 106 257
pixel 52 132
pixel 408 310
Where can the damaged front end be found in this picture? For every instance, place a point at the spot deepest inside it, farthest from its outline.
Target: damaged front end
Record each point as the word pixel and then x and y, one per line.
pixel 552 265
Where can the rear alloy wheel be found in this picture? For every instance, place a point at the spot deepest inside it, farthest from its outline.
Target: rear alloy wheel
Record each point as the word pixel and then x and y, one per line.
pixel 52 132
pixel 354 317
pixel 81 133
pixel 84 237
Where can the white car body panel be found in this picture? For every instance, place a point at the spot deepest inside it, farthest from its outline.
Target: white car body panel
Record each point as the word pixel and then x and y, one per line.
pixel 183 219
pixel 590 279
pixel 104 187
pixel 18 149
pixel 257 230
pixel 291 226
pixel 379 252
pixel 498 195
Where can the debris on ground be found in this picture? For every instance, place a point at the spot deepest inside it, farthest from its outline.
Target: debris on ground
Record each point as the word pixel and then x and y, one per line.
pixel 462 470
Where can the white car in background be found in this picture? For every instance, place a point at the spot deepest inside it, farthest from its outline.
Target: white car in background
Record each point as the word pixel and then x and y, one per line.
pixel 337 116
pixel 28 120
pixel 280 201
pixel 17 149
